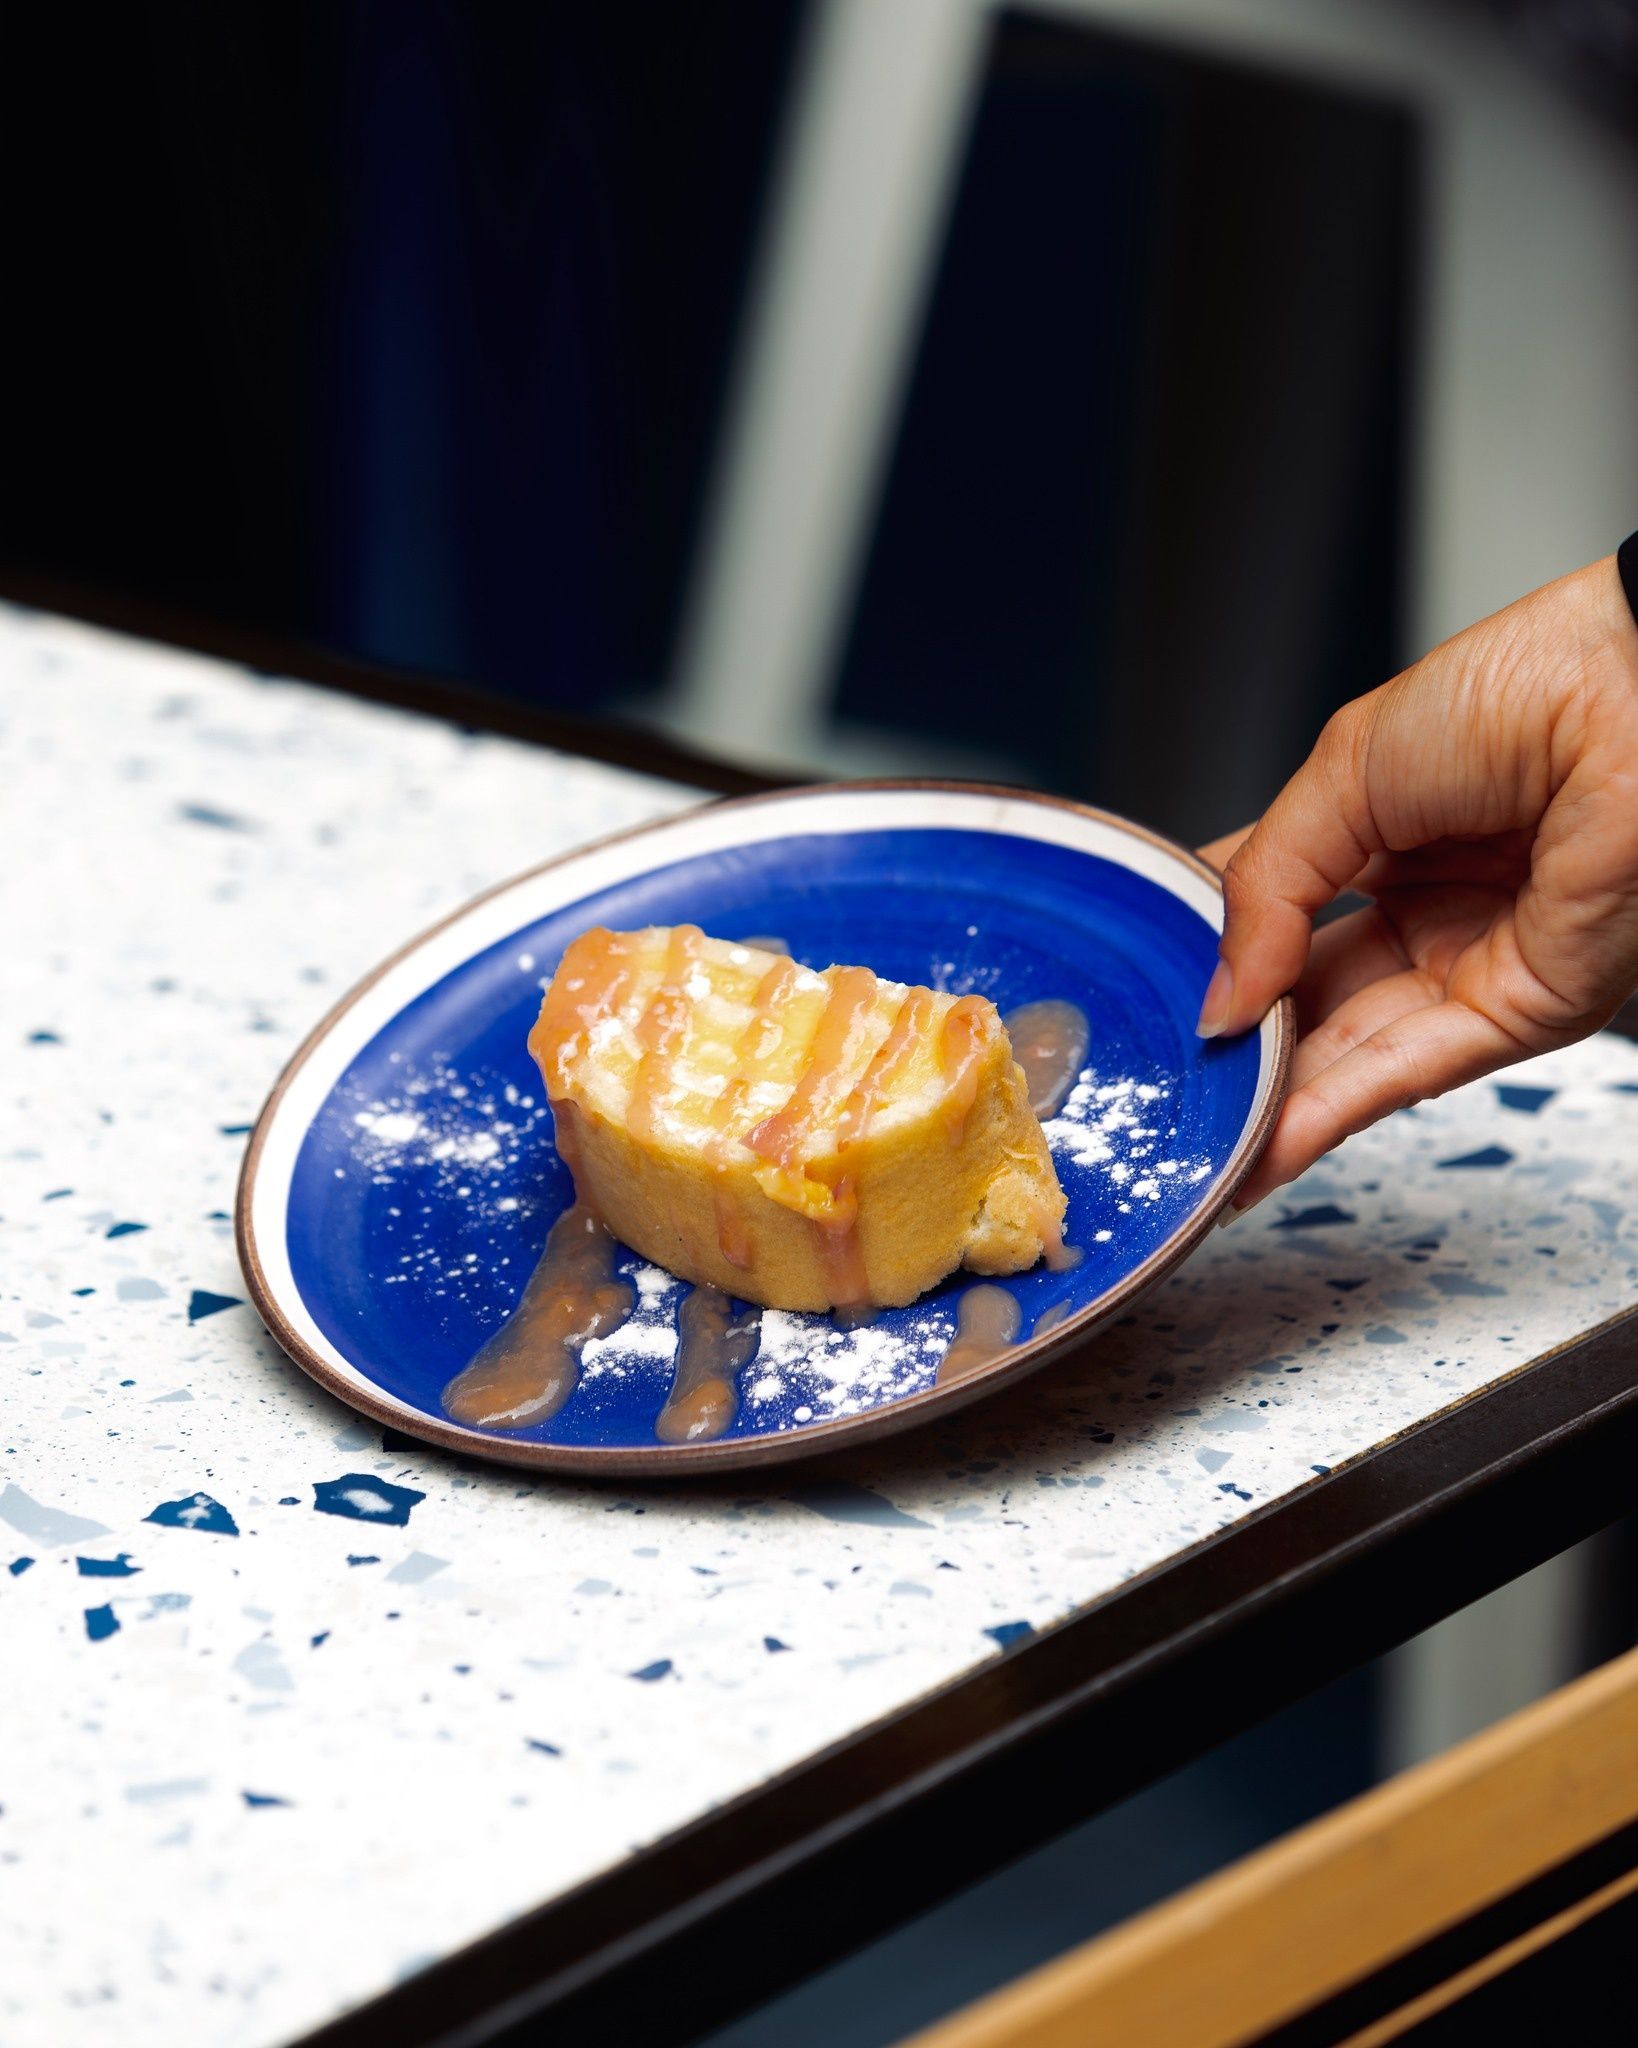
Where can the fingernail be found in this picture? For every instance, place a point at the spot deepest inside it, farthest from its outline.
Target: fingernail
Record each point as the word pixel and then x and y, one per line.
pixel 1219 994
pixel 1229 1215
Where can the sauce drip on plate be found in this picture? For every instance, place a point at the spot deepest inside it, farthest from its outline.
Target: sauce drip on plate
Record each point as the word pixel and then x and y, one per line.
pixel 988 1322
pixel 1049 1041
pixel 717 1338
pixel 525 1372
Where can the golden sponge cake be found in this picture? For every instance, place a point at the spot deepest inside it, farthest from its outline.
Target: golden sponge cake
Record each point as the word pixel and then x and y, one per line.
pixel 807 1141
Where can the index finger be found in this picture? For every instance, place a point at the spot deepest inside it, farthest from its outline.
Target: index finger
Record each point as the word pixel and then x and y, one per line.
pixel 1306 848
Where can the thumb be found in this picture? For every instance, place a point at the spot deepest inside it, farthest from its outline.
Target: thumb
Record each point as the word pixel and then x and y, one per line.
pixel 1309 844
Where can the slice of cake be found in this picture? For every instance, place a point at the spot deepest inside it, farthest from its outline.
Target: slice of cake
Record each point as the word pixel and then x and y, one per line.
pixel 807 1141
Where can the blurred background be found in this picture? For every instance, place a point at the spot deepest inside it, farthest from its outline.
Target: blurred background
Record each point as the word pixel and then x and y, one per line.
pixel 1092 394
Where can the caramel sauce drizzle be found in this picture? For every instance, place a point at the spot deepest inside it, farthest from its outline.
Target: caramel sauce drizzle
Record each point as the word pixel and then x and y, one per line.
pixel 600 964
pixel 1058 1256
pixel 661 1030
pixel 716 1340
pixel 781 1138
pixel 1050 1041
pixel 960 1048
pixel 767 1019
pixel 764 1029
pixel 525 1372
pixel 842 1256
pixel 891 1058
pixel 566 1134
pixel 840 1251
pixel 733 1239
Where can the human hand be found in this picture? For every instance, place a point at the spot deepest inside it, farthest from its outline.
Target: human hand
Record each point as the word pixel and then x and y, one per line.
pixel 1487 801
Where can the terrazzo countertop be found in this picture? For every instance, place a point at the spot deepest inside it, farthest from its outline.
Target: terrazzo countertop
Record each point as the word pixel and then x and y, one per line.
pixel 289 1712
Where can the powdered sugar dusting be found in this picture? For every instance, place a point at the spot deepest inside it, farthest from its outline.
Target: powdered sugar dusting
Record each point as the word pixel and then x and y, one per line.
pixel 646 1343
pixel 1115 1129
pixel 439 1119
pixel 843 1372
pixel 443 1137
pixel 632 1341
pixel 653 1283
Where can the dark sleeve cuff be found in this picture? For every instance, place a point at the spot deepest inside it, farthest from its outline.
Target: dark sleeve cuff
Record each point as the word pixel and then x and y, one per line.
pixel 1626 560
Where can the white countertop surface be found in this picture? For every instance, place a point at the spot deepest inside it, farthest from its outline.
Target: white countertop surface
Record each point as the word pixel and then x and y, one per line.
pixel 260 1761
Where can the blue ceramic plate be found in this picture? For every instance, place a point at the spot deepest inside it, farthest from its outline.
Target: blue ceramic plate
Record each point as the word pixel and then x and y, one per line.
pixel 402 1177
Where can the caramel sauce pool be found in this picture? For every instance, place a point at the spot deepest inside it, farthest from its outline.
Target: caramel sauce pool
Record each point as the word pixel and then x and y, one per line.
pixel 526 1371
pixel 1050 1041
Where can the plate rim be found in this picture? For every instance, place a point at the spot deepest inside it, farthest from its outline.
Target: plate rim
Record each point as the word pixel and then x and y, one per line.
pixel 585 1461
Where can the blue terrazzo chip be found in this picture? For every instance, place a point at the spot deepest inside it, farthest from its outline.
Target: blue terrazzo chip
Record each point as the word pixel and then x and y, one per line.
pixel 1318 1217
pixel 202 1303
pixel 363 1498
pixel 195 1511
pixel 1006 1632
pixel 119 1567
pixel 1527 1101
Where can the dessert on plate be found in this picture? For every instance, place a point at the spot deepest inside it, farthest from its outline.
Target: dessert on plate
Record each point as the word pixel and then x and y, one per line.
pixel 807 1141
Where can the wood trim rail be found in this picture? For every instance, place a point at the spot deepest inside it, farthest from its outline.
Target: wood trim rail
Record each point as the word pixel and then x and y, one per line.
pixel 1276 1934
pixel 1394 2026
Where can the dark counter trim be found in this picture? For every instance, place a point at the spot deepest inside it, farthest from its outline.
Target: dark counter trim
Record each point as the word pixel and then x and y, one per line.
pixel 642 749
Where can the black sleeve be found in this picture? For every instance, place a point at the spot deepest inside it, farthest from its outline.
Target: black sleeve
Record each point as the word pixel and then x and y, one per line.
pixel 1626 560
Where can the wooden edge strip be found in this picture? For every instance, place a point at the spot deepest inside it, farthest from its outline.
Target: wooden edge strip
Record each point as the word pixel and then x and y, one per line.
pixel 1395 2025
pixel 1293 1924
